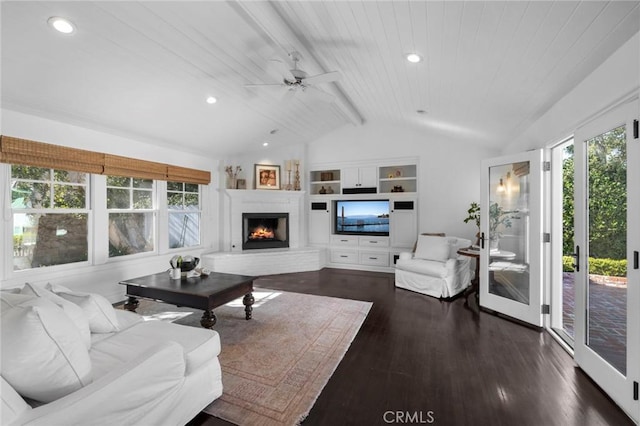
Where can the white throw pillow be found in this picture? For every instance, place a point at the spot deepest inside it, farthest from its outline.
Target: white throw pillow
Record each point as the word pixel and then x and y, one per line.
pixel 9 299
pixel 432 248
pixel 102 318
pixel 75 313
pixel 43 356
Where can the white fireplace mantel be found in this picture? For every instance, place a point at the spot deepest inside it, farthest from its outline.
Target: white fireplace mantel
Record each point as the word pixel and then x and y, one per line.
pixel 238 201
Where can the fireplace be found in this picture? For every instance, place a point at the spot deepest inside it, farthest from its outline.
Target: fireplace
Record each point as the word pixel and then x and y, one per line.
pixel 265 230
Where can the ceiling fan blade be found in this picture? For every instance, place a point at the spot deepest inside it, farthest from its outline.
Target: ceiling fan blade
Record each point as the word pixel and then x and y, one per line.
pixel 323 78
pixel 318 94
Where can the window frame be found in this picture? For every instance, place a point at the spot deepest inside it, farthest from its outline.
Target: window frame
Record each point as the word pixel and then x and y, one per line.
pixel 183 210
pixel 154 210
pixel 50 210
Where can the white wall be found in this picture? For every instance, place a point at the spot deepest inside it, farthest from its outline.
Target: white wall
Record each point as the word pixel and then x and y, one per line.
pixel 616 79
pixel 104 278
pixel 449 171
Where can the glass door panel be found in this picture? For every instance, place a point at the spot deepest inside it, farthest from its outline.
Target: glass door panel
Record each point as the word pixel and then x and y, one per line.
pixel 606 332
pixel 510 259
pixel 562 241
pixel 508 231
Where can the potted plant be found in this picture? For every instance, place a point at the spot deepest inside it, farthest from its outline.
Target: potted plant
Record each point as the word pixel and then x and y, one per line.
pixel 474 215
pixel 498 216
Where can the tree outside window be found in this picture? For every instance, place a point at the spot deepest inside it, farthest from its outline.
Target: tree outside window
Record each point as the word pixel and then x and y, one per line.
pixel 50 215
pixel 130 203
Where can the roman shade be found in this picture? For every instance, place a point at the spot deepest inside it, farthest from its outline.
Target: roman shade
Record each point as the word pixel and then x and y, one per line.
pixel 115 165
pixel 40 154
pixel 30 153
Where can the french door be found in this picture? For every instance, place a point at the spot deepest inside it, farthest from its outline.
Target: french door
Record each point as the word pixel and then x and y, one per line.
pixel 511 227
pixel 607 241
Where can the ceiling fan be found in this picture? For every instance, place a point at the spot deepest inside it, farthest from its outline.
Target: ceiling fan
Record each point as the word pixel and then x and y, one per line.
pixel 296 80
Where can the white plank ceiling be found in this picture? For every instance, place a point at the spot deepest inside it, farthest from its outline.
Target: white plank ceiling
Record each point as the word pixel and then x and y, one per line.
pixel 144 69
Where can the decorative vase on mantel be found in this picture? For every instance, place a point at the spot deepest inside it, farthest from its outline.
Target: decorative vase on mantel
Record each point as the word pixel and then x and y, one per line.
pixel 231 182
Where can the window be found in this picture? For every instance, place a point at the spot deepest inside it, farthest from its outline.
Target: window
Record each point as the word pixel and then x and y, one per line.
pixel 50 216
pixel 183 203
pixel 130 203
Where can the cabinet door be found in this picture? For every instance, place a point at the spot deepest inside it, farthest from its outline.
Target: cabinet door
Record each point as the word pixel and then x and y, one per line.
pixel 369 177
pixel 319 223
pixel 351 177
pixel 357 177
pixel 403 223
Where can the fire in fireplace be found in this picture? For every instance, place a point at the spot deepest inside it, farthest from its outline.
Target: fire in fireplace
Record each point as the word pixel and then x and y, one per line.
pixel 265 230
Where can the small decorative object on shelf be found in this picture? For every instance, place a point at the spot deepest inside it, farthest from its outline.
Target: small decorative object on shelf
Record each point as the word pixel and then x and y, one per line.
pixel 398 173
pixel 329 190
pixel 322 190
pixel 287 167
pixel 397 188
pixel 232 175
pixel 296 182
pixel 390 176
pixel 241 184
pixel 325 176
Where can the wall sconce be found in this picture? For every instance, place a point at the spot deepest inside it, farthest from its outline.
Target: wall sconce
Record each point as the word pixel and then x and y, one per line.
pixel 501 187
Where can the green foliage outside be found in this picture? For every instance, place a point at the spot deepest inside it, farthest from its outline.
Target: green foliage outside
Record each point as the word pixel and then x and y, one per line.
pixel 607 206
pixel 607 163
pixel 608 267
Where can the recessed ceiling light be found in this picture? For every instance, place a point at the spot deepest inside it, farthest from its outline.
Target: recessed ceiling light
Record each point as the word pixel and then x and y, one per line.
pixel 414 58
pixel 211 100
pixel 421 111
pixel 274 131
pixel 265 143
pixel 62 25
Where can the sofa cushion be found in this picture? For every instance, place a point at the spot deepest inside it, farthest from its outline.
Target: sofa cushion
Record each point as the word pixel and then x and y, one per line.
pixel 432 248
pixel 200 345
pixel 43 355
pixel 98 310
pixel 433 268
pixel 75 313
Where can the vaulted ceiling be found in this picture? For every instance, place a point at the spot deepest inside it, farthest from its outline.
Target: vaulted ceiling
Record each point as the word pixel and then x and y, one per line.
pixel 144 69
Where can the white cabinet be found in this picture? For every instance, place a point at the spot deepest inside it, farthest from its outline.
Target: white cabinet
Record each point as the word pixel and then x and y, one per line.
pixel 403 222
pixel 319 222
pixel 360 177
pixel 357 251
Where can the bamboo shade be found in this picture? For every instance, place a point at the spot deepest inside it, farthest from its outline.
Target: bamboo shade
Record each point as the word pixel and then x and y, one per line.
pixel 30 153
pixel 183 174
pixel 115 165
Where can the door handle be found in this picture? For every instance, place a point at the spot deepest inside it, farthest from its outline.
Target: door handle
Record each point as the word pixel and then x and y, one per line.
pixel 482 239
pixel 576 256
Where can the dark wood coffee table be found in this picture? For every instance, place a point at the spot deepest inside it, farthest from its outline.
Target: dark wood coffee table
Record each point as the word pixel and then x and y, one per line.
pixel 205 292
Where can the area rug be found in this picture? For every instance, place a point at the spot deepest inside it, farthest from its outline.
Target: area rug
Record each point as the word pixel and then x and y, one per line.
pixel 275 365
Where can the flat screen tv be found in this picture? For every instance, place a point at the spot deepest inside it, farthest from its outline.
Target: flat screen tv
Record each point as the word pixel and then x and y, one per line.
pixel 361 217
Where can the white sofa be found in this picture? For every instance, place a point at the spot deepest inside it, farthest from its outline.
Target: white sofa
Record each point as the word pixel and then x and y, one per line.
pixel 69 358
pixel 434 268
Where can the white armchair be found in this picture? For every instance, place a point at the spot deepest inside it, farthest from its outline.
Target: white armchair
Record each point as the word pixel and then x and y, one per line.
pixel 435 268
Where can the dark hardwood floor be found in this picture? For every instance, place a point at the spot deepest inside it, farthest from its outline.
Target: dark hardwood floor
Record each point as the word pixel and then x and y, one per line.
pixel 417 359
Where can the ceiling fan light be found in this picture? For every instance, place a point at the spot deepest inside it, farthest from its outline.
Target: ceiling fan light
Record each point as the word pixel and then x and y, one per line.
pixel 414 58
pixel 265 143
pixel 61 25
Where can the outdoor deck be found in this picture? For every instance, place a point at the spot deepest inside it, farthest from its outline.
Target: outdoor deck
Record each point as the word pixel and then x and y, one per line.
pixel 608 318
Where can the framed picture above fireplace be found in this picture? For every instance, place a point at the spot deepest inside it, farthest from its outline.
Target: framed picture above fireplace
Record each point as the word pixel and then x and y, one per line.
pixel 267 176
